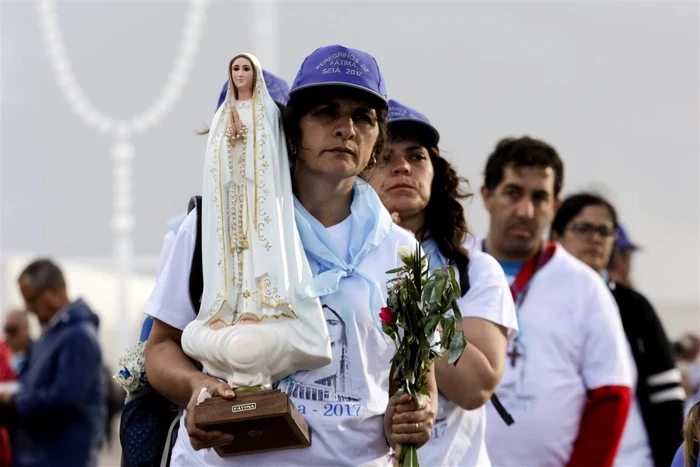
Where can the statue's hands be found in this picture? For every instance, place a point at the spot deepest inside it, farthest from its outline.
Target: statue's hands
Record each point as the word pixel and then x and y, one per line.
pixel 236 125
pixel 202 439
pixel 404 423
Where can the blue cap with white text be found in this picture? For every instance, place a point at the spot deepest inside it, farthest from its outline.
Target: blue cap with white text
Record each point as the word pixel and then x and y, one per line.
pixel 276 86
pixel 405 118
pixel 341 66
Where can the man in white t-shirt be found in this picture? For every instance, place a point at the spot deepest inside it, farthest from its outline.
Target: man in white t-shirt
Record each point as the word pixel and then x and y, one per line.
pixel 567 377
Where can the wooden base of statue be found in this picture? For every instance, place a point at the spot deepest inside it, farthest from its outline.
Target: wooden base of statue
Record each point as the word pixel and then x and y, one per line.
pixel 259 421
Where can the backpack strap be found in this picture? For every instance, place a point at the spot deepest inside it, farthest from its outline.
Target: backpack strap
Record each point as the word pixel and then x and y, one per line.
pixel 463 278
pixel 196 272
pixel 464 288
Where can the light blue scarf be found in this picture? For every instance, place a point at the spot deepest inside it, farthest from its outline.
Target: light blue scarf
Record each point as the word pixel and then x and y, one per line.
pixel 370 224
pixel 175 222
pixel 436 258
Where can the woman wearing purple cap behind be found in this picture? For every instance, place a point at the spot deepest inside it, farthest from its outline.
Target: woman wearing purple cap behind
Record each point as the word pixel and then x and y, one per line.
pixel 422 191
pixel 335 124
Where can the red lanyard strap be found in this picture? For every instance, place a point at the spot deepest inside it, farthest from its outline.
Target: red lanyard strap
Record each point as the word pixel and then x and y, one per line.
pixel 519 286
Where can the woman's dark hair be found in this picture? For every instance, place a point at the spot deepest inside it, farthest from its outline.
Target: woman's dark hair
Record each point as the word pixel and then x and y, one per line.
pixel 572 207
pixel 301 102
pixel 445 221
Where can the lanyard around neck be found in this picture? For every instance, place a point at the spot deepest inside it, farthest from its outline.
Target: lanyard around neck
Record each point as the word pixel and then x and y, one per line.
pixel 518 289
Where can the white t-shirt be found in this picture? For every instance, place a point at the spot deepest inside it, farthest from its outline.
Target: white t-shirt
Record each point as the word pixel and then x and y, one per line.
pixel 634 450
pixel 343 403
pixel 458 435
pixel 571 340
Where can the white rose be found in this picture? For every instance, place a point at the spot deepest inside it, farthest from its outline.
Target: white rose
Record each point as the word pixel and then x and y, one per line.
pixel 404 252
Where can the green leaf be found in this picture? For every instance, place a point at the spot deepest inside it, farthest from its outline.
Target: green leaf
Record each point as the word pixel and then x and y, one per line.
pixel 430 324
pixel 394 271
pixel 410 456
pixel 456 311
pixel 448 330
pixel 450 296
pixel 457 345
pixel 453 279
pixel 417 271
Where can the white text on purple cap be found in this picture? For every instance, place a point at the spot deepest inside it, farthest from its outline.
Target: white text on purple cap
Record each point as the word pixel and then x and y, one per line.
pixel 342 59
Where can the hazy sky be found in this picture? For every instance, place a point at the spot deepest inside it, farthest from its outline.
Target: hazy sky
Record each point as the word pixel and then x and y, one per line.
pixel 613 86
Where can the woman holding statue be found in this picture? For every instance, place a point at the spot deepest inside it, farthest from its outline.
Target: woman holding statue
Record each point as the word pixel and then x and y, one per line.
pixel 323 279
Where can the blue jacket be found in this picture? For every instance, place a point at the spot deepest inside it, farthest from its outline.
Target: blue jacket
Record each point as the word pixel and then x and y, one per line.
pixel 61 408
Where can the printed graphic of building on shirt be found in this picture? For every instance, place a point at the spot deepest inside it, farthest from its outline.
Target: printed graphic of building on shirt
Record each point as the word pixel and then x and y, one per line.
pixel 335 383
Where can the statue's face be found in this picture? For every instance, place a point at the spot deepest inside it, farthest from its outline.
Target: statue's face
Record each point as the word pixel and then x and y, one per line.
pixel 242 74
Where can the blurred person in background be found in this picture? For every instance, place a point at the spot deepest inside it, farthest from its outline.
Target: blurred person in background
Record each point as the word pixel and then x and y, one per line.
pixel 8 382
pixel 18 339
pixel 586 225
pixel 686 351
pixel 422 190
pixel 688 455
pixel 620 267
pixel 567 378
pixel 57 417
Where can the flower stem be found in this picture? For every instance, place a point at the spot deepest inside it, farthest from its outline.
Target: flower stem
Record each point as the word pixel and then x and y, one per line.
pixel 406 456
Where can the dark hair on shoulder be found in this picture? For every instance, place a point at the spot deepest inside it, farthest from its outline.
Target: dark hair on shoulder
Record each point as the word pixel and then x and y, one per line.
pixel 522 152
pixel 574 204
pixel 445 221
pixel 444 214
pixel 302 101
pixel 44 274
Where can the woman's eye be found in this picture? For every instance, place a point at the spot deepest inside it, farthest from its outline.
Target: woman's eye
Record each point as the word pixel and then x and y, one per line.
pixel 366 118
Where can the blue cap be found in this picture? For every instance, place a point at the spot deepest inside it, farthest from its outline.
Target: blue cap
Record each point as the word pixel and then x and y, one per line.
pixel 276 86
pixel 341 66
pixel 401 116
pixel 623 241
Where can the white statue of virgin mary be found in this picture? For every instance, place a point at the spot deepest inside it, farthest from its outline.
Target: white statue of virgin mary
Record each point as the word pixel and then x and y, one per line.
pixel 253 329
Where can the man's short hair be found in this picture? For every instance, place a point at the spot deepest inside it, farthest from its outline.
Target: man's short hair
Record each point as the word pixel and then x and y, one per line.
pixel 522 152
pixel 43 273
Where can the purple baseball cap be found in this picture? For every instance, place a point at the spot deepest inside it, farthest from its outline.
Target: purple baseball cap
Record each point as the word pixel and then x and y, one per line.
pixel 408 120
pixel 276 86
pixel 623 242
pixel 341 66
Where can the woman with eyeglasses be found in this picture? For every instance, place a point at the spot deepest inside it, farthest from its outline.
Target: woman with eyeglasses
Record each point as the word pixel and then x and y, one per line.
pixel 586 226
